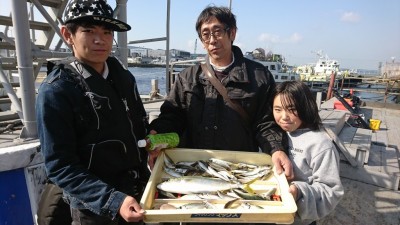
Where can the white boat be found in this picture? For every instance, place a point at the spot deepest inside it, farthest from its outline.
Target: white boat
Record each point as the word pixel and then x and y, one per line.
pixel 279 72
pixel 22 174
pixel 321 71
pixel 274 63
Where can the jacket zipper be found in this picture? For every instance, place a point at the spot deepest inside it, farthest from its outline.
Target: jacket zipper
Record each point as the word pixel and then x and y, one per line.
pixel 131 125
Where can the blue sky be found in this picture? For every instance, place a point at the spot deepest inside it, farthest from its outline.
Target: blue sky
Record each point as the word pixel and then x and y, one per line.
pixel 358 33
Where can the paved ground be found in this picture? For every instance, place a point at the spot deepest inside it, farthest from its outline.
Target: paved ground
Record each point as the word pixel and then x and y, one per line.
pixel 365 204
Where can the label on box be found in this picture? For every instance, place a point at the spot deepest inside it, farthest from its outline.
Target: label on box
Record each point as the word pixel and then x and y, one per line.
pixel 216 215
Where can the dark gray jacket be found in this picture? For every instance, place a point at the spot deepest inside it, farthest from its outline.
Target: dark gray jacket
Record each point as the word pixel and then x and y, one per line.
pixel 196 111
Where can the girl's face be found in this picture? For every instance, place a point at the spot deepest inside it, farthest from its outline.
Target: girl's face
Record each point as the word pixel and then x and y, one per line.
pixel 285 117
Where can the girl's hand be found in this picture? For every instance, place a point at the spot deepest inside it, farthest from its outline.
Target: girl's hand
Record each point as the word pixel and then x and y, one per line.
pixel 293 190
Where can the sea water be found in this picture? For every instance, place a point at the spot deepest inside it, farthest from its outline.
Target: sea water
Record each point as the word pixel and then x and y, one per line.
pixel 144 75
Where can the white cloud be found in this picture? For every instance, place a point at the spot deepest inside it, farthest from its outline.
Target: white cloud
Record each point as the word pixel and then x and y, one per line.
pixel 271 38
pixel 295 38
pixel 350 17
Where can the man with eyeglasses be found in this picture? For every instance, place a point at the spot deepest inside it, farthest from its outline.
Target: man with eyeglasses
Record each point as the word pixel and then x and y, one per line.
pixel 196 110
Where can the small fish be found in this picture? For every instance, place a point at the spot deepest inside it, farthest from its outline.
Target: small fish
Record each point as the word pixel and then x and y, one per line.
pixel 167 206
pixel 216 166
pixel 205 167
pixel 267 195
pixel 196 184
pixel 172 172
pixel 199 205
pixel 247 205
pixel 186 164
pixel 248 196
pixel 258 170
pixel 166 194
pixel 200 196
pixel 230 203
pixel 233 204
pixel 222 163
pixel 168 162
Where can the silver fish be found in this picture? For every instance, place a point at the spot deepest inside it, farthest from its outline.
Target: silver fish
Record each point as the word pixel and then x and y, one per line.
pixel 234 205
pixel 222 163
pixel 168 162
pixel 199 205
pixel 200 196
pixel 172 172
pixel 248 196
pixel 196 184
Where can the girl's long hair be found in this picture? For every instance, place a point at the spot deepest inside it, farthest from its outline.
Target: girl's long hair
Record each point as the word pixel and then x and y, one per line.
pixel 295 95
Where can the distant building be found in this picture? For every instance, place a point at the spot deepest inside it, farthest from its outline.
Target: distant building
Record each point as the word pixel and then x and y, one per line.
pixel 390 69
pixel 179 54
pixel 137 51
pixel 156 53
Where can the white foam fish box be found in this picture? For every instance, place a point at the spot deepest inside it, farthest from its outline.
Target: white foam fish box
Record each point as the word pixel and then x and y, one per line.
pixel 281 212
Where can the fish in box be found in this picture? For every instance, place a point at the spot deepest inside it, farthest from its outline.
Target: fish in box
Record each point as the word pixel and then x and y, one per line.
pixel 268 202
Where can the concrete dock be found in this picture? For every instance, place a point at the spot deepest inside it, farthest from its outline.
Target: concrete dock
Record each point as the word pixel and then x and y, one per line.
pixel 372 194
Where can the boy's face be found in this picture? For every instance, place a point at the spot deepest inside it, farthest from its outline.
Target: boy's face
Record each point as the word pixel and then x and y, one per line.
pixel 92 45
pixel 284 116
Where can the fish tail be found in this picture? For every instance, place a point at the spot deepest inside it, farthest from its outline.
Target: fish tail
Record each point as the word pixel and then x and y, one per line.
pixel 247 188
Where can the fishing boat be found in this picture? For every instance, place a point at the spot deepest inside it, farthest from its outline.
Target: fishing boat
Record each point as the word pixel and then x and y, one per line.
pixel 351 78
pixel 274 63
pixel 278 71
pixel 22 174
pixel 321 71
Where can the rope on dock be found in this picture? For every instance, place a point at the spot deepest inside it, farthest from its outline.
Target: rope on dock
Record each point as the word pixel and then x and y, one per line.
pixel 9 125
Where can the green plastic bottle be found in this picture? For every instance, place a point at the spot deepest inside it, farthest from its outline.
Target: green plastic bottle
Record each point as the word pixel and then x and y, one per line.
pixel 165 140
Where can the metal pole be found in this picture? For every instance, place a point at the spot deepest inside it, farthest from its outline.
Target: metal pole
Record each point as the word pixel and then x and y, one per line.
pixel 10 92
pixel 49 20
pixel 167 56
pixel 331 85
pixel 122 36
pixel 25 67
pixel 32 19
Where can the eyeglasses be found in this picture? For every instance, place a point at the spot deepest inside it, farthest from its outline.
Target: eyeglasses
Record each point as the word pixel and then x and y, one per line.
pixel 217 34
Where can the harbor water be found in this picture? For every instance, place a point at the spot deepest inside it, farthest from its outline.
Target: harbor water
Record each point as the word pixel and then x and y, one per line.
pixel 144 75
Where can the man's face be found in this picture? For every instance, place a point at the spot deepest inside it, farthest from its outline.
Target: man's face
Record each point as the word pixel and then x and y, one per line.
pixel 92 45
pixel 217 40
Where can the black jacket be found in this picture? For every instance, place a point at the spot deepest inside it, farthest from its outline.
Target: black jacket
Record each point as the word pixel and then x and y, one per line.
pixel 199 114
pixel 88 128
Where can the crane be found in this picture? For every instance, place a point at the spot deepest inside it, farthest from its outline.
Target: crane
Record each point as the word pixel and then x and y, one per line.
pixel 195 47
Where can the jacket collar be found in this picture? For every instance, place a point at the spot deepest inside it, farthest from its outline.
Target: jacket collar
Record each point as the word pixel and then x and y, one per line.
pixel 238 72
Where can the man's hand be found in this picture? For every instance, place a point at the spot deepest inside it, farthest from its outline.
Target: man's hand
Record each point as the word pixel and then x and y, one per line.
pixel 283 163
pixel 153 154
pixel 130 210
pixel 153 157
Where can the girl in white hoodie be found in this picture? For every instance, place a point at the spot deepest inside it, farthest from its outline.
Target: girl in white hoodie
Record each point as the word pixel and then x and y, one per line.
pixel 316 187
